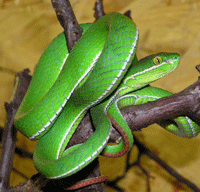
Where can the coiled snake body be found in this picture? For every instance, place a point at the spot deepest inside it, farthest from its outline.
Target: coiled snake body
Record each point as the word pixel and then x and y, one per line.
pixel 101 73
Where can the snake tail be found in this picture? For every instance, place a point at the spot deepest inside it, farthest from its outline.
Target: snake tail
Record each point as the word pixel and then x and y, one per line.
pixel 88 182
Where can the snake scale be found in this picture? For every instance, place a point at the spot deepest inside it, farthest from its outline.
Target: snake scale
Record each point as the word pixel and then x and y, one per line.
pixel 101 74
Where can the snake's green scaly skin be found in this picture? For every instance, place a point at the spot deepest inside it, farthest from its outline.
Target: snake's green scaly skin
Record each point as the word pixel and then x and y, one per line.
pixel 98 74
pixel 98 62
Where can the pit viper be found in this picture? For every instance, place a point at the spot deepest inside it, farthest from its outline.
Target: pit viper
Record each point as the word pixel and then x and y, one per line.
pixel 101 74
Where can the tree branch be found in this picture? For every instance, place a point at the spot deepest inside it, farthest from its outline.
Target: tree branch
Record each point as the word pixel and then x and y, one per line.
pixel 68 21
pixel 9 133
pixel 185 103
pixel 98 9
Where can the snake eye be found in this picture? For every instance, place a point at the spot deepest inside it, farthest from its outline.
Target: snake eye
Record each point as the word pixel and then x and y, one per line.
pixel 157 60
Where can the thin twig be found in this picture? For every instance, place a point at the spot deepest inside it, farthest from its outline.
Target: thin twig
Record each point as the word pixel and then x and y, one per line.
pixel 9 133
pixel 8 148
pixel 146 151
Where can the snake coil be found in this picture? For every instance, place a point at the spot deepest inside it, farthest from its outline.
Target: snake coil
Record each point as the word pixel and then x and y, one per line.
pixel 101 73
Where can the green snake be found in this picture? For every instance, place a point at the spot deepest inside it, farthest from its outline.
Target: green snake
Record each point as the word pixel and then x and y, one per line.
pixel 101 74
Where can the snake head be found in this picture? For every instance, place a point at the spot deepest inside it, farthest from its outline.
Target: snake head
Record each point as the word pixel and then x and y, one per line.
pixel 151 68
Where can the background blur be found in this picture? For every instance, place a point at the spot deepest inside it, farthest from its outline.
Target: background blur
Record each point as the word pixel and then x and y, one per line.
pixel 27 27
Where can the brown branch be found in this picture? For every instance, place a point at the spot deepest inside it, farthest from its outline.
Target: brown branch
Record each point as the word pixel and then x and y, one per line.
pixel 128 14
pixel 8 148
pixel 98 9
pixel 68 21
pixel 185 103
pixel 9 133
